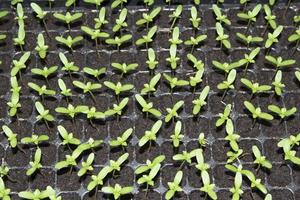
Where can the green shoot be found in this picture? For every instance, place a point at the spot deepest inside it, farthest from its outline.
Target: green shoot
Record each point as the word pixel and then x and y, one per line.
pixel 223 38
pixel 70 161
pixel 234 155
pixel 174 186
pixel 185 157
pixel 88 87
pixel 150 164
pixel 195 41
pixel 45 72
pixel 150 135
pixel 42 91
pixel 69 41
pixel 295 37
pixel 148 179
pixel 236 190
pixel 91 144
pixel 20 15
pixel 86 166
pixel 232 137
pixel 36 195
pixel 118 40
pixel 257 112
pixel 41 47
pixel 278 85
pixel 228 83
pixel 195 20
pixel 63 88
pixel 288 144
pixel 11 136
pixel 175 82
pixel 177 136
pixel 146 39
pixel 194 80
pixel 35 139
pixel 70 3
pixel 100 21
pixel 20 64
pixel 148 18
pixel 117 191
pixel 41 14
pixel 197 64
pixel 116 3
pixel 94 72
pixel 36 164
pixel 68 138
pixel 94 35
pixel 273 37
pixel 92 113
pixel 4 192
pixel 208 187
pixel 67 66
pixel 278 62
pixel 249 39
pixel 150 87
pixel 251 15
pixel 249 58
pixel 260 159
pixel 116 165
pixel 20 39
pixel 173 59
pixel 201 101
pixel 122 140
pixel 98 179
pixel 224 117
pixel 118 88
pixel 120 22
pixel 270 18
pixel 151 62
pixel 175 37
pixel 43 114
pixel 201 165
pixel 70 111
pixel 124 68
pixel 175 15
pixel 255 87
pixel 68 18
pixel 14 104
pixel 282 112
pixel 148 2
pixel 117 109
pixel 172 112
pixel 221 18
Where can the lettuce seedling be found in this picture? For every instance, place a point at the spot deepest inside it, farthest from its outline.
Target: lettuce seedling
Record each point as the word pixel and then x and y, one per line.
pixel 278 62
pixel 173 59
pixel 248 39
pixel 71 111
pixel 185 157
pixel 208 187
pixel 41 14
pixel 118 88
pixel 43 114
pixel 236 190
pixel 172 112
pixel 260 160
pixel 201 165
pixel 174 41
pixel 148 179
pixel 224 117
pixel 201 101
pixel 69 41
pixel 175 15
pixel 95 35
pixel 36 195
pixel 232 137
pixel 11 136
pixel 251 15
pixel 20 15
pixel 147 107
pixel 174 186
pixel 20 64
pixel 67 66
pixel 148 18
pixel 288 144
pixel 116 165
pixel 195 41
pixel 92 113
pixel 121 140
pixel 41 90
pixel 201 140
pixel 282 112
pixel 228 83
pixel 63 89
pixel 116 3
pixel 70 161
pixel 68 18
pixel 249 58
pixel 273 37
pixel 4 192
pixel 124 68
pixel 98 179
pixel 14 104
pixel 94 72
pixel 67 137
pixel 41 47
pixel 91 144
pixel 20 39
pixel 255 87
pixel 175 82
pixel 234 155
pixel 45 72
pixel 177 136
pixel 197 64
pixel 194 80
pixel 118 40
pixel 151 62
pixel 270 18
pixel 150 164
pixel 100 20
pixel 88 87
pixel 35 139
pixel 117 191
pixel 150 135
pixel 221 18
pixel 117 109
pixel 35 165
pixel 150 87
pixel 295 37
pixel 194 19
pixel 257 112
pixel 146 39
pixel 86 166
pixel 278 85
pixel 120 22
pixel 223 38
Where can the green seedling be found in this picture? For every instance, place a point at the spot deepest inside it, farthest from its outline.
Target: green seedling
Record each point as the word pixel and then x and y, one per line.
pixel 268 196
pixel 232 137
pixel 45 72
pixel 88 87
pixel 117 191
pixel 41 90
pixel 35 139
pixel 221 18
pixel 201 101
pixel 249 58
pixel 86 166
pixel 148 179
pixel 150 164
pixel 92 113
pixel 69 41
pixel 251 15
pixel 175 82
pixel 118 40
pixel 148 18
pixel 20 39
pixel 195 41
pixel 282 112
pixel 222 38
pixel 117 109
pixel 201 165
pixel 236 190
pixel 67 66
pixel 270 18
pixel 148 2
pixel 14 104
pixel 273 37
pixel 151 62
pixel 244 2
pixel 150 87
pixel 43 114
pixel 116 165
pixel 295 37
pixel 197 64
pixel 195 80
pixel 41 15
pixel 4 192
pixel 118 88
pixel 91 144
pixel 36 195
pixel 11 136
pixel 278 85
pixel 260 160
pixel 174 186
pixel 20 64
pixel 249 39
pixel 124 68
pixel 257 113
pixel 173 59
pixel 70 3
pixel 194 19
pixel 146 39
pixel 68 18
pixel 116 3
pixel 175 15
pixel 174 41
pixel 71 111
pixel 15 88
pixel 94 72
pixel 233 155
pixel 20 15
pixel 278 62
pixel 177 136
pixel 63 88
pixel 173 112
pixel 36 164
pixel 97 180
pixel 68 138
pixel 52 193
pixel 4 170
pixel 120 22
pixel 255 87
pixel 70 161
pixel 228 83
pixel 41 47
pixel 122 140
pixel 95 35
pixel 185 157
pixel 100 20
pixel 150 135
pixel 208 187
pixel 224 117
pixel 147 107
pixel 288 144
pixel 97 3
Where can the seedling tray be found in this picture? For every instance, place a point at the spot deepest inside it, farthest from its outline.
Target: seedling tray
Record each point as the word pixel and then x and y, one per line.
pixel 282 181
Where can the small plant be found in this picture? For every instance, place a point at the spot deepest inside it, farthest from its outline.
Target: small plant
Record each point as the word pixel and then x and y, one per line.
pixel 148 18
pixel 224 117
pixel 173 59
pixel 172 112
pixel 255 87
pixel 234 155
pixel 282 112
pixel 86 166
pixel 295 37
pixel 118 40
pixel 118 88
pixel 147 107
pixel 20 64
pixel 92 113
pixel 70 161
pixel 41 14
pixel 228 83
pixel 43 114
pixel 71 111
pixel 273 37
pixel 257 112
pixel 20 39
pixel 116 165
pixel 14 104
pixel 194 80
pixel 116 3
pixel 248 39
pixel 249 58
pixel 88 87
pixel 195 20
pixel 98 179
pixel 150 135
pixel 122 140
pixel 148 179
pixel 35 165
pixel 175 15
pixel 177 136
pixel 151 62
pixel 219 16
pixel 185 157
pixel 94 35
pixel 91 144
pixel 201 101
pixel 146 39
pixel 195 41
pixel 278 62
pixel 69 41
pixel 68 138
pixel 175 82
pixel 11 136
pixel 4 192
pixel 278 85
pixel 117 109
pixel 260 160
pixel 100 20
pixel 120 22
pixel 41 47
pixel 150 87
pixel 63 89
pixel 67 66
pixel 45 72
pixel 68 18
pixel 174 41
pixel 94 72
pixel 236 190
pixel 20 15
pixel 42 91
pixel 36 195
pixel 69 3
pixel 197 64
pixel 222 38
pixel 174 186
pixel 232 137
pixel 288 144
pixel 117 191
pixel 208 187
pixel 150 164
pixel 124 68
pixel 251 15
pixel 270 18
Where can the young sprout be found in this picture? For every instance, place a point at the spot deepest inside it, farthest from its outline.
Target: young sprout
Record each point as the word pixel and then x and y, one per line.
pixel 95 2
pixel 98 179
pixel 20 40
pixel 117 109
pixel 195 41
pixel 100 20
pixel 287 144
pixel 255 87
pixel 295 37
pixel 11 136
pixel 70 161
pixel 248 39
pixel 120 22
pixel 116 165
pixel 174 41
pixel 69 41
pixel 20 64
pixel 151 62
pixel 260 159
pixel 14 104
pixel 282 112
pixel 92 113
pixel 273 37
pixel 41 47
pixel 150 164
pixel 148 2
pixel 270 18
pixel 147 107
pixel 45 72
pixel 278 62
pixel 116 3
pixel 71 111
pixel 150 134
pixel 224 117
pixel 68 138
pixel 278 85
pixel 41 14
pixel 117 191
pixel 251 15
pixel 118 40
pixel 201 165
pixel 223 38
pixel 124 68
pixel 172 112
pixel 185 157
pixel 118 88
pixel 194 80
pixel 67 66
pixel 146 39
pixel 42 91
pixel 233 155
pixel 232 137
pixel 43 114
pixel 228 83
pixel 91 144
pixel 4 192
pixel 249 58
pixel 173 59
pixel 197 64
pixel 208 187
pixel 221 18
pixel 200 102
pixel 94 35
pixel 148 18
pixel 244 2
pixel 87 87
pixel 86 166
pixel 150 87
pixel 175 15
pixel 20 15
pixel 174 186
pixel 35 139
pixel 68 18
pixel 177 136
pixel 257 112
pixel 121 140
pixel 175 82
pixel 36 164
pixel 236 190
pixel 94 72
pixel 148 179
pixel 36 195
pixel 195 20
pixel 70 3
pixel 63 88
